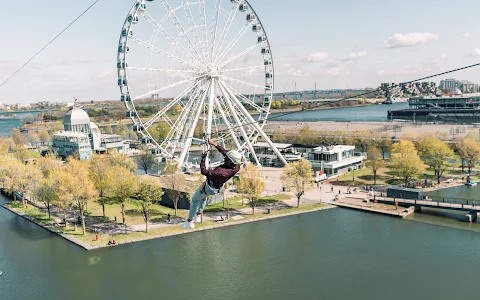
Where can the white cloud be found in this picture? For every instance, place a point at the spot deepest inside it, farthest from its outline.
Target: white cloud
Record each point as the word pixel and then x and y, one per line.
pixel 355 55
pixel 474 53
pixel 390 72
pixel 435 61
pixel 410 40
pixel 317 57
pixel 333 63
pixel 350 57
pixel 471 33
pixel 105 74
pixel 337 72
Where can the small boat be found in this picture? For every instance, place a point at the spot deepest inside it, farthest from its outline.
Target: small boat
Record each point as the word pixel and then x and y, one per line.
pixel 471 183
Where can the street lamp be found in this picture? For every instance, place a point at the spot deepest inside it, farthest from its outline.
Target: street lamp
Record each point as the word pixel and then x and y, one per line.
pixel 353 175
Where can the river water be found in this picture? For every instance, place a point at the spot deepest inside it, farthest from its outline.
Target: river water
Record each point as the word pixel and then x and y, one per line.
pixel 372 113
pixel 332 254
pixel 16 122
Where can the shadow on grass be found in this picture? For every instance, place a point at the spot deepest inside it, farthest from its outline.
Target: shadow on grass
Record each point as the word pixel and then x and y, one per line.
pixel 156 216
pixel 214 209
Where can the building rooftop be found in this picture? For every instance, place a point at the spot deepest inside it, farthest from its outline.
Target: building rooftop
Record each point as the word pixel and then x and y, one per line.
pixel 333 149
pixel 278 145
pixel 71 134
pixel 76 116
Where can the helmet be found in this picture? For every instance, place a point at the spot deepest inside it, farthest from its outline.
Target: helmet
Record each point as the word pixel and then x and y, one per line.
pixel 234 156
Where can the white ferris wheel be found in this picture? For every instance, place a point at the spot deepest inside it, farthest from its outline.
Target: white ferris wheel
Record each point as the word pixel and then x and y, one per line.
pixel 203 68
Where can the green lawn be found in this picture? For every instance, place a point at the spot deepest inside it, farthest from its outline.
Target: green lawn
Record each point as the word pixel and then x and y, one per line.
pixel 364 177
pixel 133 214
pixel 236 203
pixel 385 176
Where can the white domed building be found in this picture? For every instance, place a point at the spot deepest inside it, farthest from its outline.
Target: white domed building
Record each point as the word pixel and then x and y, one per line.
pixel 82 137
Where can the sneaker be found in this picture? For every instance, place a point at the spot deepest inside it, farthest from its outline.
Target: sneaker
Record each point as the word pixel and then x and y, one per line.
pixel 188 225
pixel 197 219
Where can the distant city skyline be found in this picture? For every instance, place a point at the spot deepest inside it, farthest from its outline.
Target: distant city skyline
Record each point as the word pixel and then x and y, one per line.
pixel 330 44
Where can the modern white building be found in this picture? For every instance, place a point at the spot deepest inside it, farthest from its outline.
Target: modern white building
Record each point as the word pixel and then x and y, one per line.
pixel 331 161
pixel 66 143
pixel 82 137
pixel 335 160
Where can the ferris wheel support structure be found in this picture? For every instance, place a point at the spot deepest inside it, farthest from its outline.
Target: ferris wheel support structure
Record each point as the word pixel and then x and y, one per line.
pixel 212 83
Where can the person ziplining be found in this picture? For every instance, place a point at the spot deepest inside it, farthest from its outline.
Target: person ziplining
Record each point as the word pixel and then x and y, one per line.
pixel 213 184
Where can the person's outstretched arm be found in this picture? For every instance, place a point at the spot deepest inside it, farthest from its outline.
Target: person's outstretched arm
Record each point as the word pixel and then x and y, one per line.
pixel 219 148
pixel 203 167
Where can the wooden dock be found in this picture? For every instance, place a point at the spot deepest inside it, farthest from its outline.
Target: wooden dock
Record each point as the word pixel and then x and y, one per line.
pixel 361 204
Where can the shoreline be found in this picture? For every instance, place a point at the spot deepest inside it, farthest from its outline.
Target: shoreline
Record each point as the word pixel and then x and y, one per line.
pixel 89 247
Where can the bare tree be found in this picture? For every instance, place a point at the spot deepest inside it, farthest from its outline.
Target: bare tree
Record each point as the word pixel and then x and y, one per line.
pixel 175 185
pixel 146 160
pixel 374 161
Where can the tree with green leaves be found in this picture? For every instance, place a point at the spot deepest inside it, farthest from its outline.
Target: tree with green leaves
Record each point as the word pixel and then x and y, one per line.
pixel 162 131
pixel 33 138
pixel 405 161
pixel 44 136
pixel 374 161
pixel 78 186
pixel 469 151
pixel 100 172
pixel 4 147
pixel 60 178
pixel 251 185
pixel 148 192
pixel 384 144
pixel 17 137
pixel 170 168
pixel 278 136
pixel 108 129
pixel 363 138
pixel 435 153
pixel 118 159
pixel 46 164
pixel 47 191
pixel 298 176
pixel 124 186
pixel 22 153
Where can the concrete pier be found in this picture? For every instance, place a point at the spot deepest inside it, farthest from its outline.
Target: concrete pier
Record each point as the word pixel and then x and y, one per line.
pixel 364 205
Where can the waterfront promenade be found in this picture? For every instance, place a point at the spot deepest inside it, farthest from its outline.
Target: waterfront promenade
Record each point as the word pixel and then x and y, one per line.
pixel 391 128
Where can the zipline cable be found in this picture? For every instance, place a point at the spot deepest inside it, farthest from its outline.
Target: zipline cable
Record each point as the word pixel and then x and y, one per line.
pixel 48 44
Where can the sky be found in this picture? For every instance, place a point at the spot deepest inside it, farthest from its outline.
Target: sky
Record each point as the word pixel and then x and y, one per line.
pixel 333 43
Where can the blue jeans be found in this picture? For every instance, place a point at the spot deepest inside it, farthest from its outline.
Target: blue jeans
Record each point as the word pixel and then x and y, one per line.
pixel 199 200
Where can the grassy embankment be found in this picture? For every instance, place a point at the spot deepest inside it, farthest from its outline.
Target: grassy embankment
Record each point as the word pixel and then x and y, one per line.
pixel 386 176
pixel 158 215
